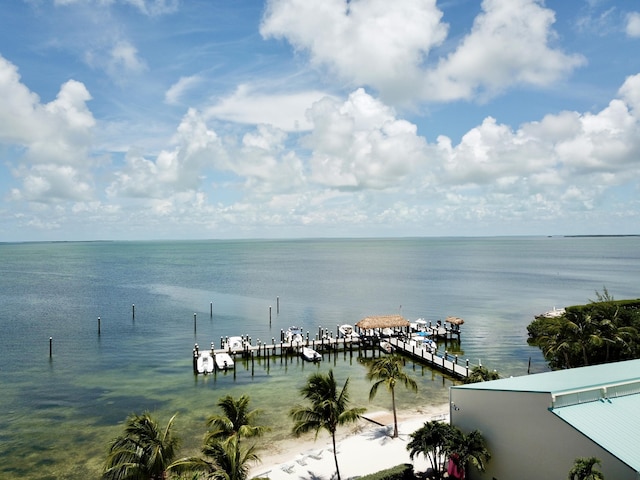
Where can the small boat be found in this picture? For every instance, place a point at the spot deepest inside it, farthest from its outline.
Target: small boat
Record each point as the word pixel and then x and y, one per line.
pixel 420 325
pixel 234 344
pixel 386 347
pixel 555 313
pixel 293 335
pixel 422 342
pixel 310 355
pixel 224 361
pixel 347 331
pixel 387 332
pixel 204 363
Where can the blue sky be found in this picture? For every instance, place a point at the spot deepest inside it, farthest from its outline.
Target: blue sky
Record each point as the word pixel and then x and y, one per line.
pixel 180 119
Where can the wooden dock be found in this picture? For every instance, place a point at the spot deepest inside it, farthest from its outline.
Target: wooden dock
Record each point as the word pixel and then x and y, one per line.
pixel 442 361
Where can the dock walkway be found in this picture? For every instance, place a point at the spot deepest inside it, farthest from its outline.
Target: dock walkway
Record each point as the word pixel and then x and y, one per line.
pixel 442 361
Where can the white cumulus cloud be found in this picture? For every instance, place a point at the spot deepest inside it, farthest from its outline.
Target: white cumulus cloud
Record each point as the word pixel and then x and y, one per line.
pixel 394 50
pixel 633 24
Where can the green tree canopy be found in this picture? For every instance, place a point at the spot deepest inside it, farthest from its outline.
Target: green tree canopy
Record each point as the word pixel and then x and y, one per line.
pixel 585 469
pixel 144 451
pixel 480 373
pixel 236 419
pixel 389 371
pixel 224 456
pixel 602 331
pixel 225 459
pixel 439 442
pixel 328 409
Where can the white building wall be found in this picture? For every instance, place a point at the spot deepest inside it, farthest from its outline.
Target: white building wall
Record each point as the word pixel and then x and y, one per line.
pixel 525 439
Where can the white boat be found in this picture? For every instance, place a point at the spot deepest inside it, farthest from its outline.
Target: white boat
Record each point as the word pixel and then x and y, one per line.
pixel 204 363
pixel 386 347
pixel 420 341
pixel 555 313
pixel 347 331
pixel 310 355
pixel 420 325
pixel 224 361
pixel 293 335
pixel 234 344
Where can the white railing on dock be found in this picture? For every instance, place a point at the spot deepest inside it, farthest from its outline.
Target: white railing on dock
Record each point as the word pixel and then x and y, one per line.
pixel 446 362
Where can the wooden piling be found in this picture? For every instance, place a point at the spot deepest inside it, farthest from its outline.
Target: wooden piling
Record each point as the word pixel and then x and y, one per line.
pixel 98 325
pixel 50 347
pixel 133 311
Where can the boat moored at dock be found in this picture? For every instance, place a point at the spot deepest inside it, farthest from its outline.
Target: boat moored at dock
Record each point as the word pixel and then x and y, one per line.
pixel 234 344
pixel 347 331
pixel 294 335
pixel 310 355
pixel 204 362
pixel 224 361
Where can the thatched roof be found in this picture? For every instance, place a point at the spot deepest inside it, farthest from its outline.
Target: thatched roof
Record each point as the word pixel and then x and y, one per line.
pixel 382 321
pixel 454 320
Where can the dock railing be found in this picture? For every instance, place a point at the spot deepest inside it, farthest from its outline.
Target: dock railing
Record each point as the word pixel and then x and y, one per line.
pixel 445 361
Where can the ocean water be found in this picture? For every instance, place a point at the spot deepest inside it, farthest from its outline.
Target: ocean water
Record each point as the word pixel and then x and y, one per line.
pixel 59 412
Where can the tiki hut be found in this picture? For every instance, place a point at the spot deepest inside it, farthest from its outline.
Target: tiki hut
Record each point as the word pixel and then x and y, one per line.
pixel 455 323
pixel 454 320
pixel 381 322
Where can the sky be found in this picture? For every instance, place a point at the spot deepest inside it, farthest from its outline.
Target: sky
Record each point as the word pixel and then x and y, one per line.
pixel 229 119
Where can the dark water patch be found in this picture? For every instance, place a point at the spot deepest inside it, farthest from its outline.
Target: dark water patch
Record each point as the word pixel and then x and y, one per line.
pixel 115 410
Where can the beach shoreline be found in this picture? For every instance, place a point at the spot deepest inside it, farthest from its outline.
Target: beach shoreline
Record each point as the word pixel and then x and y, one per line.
pixel 363 448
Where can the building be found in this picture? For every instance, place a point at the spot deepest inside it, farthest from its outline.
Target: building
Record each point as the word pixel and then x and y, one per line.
pixel 537 425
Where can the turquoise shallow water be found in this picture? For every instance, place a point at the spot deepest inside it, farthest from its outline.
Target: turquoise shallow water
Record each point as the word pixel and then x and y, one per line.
pixel 57 414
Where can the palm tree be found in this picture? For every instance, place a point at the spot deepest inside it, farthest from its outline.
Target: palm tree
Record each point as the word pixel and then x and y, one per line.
pixel 223 460
pixel 236 419
pixel 584 469
pixel 437 441
pixel 469 449
pixel 328 410
pixel 388 371
pixel 431 440
pixel 143 452
pixel 481 374
pixel 586 334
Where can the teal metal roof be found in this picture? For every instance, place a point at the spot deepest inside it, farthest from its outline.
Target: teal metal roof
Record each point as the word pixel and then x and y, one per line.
pixel 565 380
pixel 601 401
pixel 612 423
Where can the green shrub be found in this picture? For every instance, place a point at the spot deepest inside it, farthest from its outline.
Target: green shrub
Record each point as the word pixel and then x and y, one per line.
pixel 399 472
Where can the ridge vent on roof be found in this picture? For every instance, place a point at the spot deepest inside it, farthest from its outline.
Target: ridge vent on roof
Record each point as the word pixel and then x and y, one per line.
pixel 594 394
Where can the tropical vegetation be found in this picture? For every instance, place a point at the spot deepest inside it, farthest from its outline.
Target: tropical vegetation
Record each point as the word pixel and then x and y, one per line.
pixel 328 408
pixel 145 450
pixel 604 330
pixel 585 469
pixel 236 419
pixel 481 373
pixel 441 442
pixel 389 371
pixel 224 454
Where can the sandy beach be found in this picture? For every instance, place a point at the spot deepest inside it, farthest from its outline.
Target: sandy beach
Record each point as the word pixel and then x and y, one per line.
pixel 363 448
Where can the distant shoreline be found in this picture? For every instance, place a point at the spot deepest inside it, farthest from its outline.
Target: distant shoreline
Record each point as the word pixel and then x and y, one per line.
pixel 602 236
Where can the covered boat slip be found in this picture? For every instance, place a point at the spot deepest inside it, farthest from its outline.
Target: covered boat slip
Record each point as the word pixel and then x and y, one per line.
pixel 397 325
